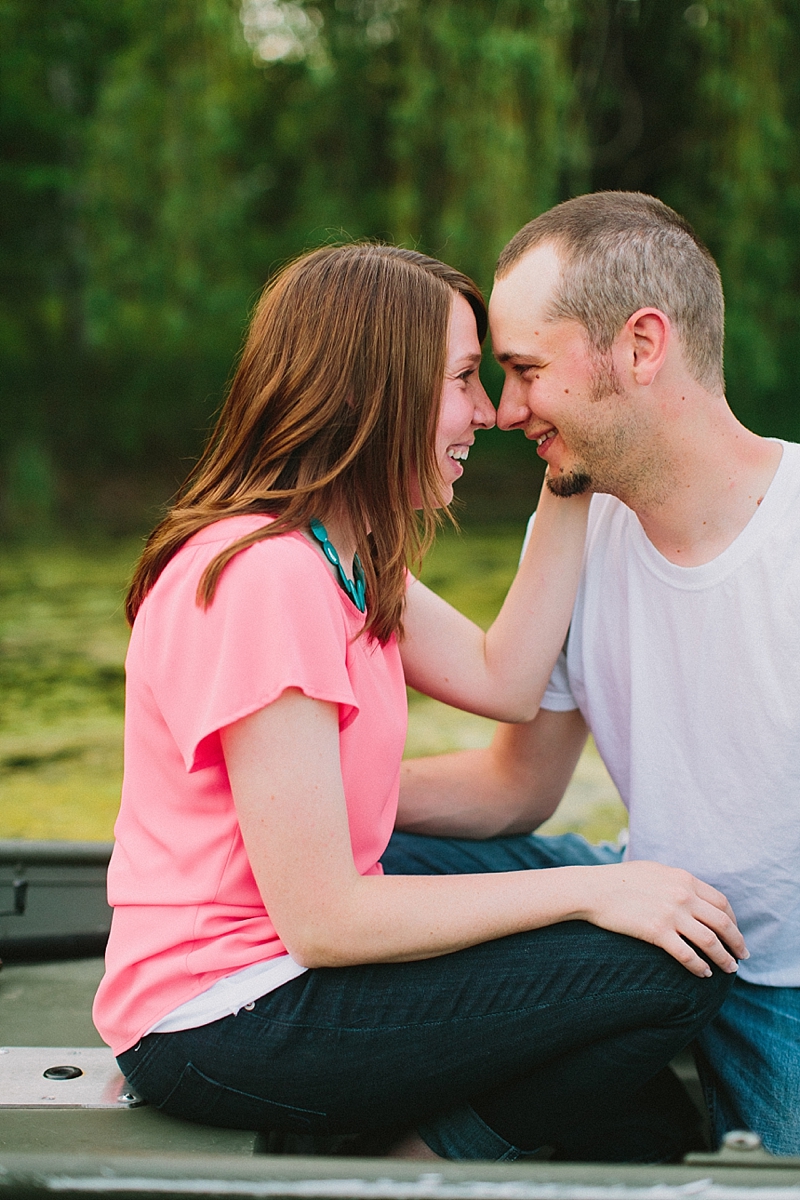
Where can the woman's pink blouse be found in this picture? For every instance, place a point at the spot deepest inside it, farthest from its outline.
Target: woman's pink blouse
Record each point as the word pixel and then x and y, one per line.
pixel 186 907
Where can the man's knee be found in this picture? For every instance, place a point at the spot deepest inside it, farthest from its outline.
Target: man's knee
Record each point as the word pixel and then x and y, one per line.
pixel 749 1060
pixel 416 854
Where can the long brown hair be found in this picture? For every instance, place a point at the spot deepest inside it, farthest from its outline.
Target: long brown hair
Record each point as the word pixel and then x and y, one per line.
pixel 332 411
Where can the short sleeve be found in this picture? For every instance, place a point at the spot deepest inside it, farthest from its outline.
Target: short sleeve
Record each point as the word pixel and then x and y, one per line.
pixel 558 695
pixel 276 622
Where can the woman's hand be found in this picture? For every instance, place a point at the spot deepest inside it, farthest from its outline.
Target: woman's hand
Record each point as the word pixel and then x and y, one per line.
pixel 283 764
pixel 502 673
pixel 669 908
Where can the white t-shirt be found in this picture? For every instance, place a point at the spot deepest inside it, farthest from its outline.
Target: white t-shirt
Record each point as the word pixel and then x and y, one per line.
pixel 689 679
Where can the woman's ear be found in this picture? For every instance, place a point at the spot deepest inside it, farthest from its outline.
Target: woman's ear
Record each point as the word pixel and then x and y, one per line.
pixel 648 336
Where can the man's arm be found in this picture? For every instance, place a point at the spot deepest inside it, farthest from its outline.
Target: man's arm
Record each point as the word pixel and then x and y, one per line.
pixel 512 786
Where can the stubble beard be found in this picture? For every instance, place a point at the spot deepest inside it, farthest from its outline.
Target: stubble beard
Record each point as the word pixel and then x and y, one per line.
pixel 623 458
pixel 617 462
pixel 577 482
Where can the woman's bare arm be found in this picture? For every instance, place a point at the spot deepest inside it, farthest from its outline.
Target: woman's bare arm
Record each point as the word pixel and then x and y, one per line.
pixel 503 672
pixel 283 763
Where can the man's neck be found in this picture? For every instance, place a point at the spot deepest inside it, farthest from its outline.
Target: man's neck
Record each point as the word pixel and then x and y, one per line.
pixel 719 473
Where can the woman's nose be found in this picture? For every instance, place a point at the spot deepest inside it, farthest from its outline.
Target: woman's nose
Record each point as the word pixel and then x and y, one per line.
pixel 484 416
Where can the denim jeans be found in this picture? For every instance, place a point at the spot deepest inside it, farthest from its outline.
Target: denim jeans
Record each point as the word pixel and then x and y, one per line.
pixel 748 1056
pixel 749 1062
pixel 547 1042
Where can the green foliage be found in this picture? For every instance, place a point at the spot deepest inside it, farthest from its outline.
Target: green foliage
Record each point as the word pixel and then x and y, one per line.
pixel 161 160
pixel 485 128
pixel 746 198
pixel 164 214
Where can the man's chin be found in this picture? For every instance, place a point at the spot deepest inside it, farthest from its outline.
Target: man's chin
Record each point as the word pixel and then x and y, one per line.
pixel 572 483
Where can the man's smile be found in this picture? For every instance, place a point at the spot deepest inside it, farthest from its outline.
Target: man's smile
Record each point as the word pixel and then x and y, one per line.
pixel 542 438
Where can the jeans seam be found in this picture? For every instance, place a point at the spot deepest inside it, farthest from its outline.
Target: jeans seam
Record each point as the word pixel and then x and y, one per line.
pixel 609 997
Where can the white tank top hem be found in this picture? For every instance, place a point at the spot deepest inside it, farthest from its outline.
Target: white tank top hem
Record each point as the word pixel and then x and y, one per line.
pixel 225 997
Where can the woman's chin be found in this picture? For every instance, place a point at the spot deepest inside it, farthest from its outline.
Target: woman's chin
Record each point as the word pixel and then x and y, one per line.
pixel 445 496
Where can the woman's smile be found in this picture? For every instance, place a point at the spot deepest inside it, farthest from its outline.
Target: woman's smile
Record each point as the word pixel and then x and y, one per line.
pixel 465 406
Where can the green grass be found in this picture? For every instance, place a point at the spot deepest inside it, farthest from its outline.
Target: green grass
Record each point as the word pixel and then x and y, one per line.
pixel 62 646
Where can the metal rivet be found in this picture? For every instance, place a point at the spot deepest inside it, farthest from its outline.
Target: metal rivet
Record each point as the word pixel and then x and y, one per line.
pixel 62 1073
pixel 741 1139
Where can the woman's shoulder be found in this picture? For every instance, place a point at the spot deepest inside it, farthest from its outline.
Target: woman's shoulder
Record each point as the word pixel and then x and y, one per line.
pixel 213 539
pixel 270 558
pixel 229 529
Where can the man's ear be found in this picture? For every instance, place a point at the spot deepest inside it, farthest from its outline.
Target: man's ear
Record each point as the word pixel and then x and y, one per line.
pixel 647 336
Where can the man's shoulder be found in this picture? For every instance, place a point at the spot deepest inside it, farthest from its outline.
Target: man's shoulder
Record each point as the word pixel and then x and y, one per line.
pixel 603 511
pixel 602 504
pixel 607 512
pixel 791 455
pixel 783 494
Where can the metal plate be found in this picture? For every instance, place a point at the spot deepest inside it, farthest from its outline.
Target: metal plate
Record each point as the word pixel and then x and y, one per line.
pixel 22 1082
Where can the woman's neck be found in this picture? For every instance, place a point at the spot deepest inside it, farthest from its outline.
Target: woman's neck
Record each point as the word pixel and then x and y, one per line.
pixel 341 535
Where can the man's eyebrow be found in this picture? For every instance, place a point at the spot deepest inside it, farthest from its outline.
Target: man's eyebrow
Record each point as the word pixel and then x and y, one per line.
pixel 506 355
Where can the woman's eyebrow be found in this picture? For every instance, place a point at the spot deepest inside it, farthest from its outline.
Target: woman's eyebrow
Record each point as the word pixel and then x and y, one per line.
pixel 468 360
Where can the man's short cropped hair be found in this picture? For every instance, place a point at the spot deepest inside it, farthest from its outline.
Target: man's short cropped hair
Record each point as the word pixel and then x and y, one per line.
pixel 621 251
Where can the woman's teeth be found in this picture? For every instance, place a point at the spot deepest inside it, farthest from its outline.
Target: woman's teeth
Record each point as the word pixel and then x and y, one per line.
pixel 459 453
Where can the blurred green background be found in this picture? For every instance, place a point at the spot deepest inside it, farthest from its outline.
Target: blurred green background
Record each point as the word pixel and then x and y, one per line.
pixel 61 683
pixel 161 160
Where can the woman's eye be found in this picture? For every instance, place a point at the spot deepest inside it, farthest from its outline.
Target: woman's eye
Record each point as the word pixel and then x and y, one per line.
pixel 465 376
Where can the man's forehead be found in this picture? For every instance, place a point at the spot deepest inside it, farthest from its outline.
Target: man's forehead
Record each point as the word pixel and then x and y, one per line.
pixel 521 299
pixel 523 294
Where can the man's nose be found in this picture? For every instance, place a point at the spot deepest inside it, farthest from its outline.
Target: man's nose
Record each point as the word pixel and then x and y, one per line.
pixel 512 411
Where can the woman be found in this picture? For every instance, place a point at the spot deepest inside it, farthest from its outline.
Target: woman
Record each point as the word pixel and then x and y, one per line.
pixel 262 972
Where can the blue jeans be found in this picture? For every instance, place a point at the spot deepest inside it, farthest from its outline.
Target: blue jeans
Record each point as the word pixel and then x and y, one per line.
pixel 547 1042
pixel 748 1056
pixel 749 1062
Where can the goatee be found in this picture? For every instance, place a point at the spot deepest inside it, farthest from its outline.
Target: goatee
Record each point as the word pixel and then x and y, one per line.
pixel 573 483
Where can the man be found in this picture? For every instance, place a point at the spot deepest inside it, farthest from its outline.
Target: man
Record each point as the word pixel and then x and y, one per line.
pixel 683 657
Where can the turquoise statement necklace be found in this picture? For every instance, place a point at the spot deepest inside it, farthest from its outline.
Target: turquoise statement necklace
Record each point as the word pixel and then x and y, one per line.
pixel 356 587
